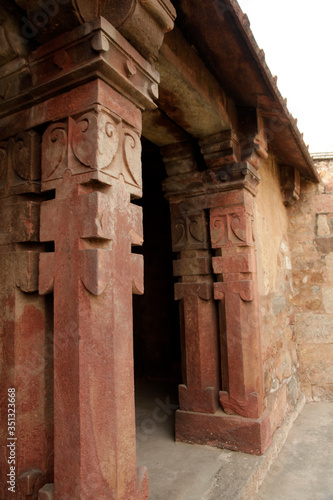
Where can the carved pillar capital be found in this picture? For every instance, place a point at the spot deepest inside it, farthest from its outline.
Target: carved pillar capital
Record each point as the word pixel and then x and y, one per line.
pixel 74 59
pixel 222 154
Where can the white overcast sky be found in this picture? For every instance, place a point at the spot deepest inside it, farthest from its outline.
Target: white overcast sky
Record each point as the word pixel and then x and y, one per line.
pixel 297 38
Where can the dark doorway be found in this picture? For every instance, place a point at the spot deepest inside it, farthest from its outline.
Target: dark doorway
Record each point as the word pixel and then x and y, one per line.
pixel 156 318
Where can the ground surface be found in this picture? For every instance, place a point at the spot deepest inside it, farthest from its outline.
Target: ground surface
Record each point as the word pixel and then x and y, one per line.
pixel 177 471
pixel 304 468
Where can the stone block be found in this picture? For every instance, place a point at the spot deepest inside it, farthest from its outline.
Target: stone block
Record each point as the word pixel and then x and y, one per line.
pixel 314 328
pixel 224 431
pixel 316 363
pixel 278 407
pixel 324 244
pixel 327 292
pixel 278 304
pixel 284 367
pixel 322 392
pixel 46 493
pixel 322 225
pixel 293 390
pixel 329 266
pixel 324 203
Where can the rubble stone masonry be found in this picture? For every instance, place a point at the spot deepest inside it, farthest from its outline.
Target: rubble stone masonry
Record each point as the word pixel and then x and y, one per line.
pixel 275 296
pixel 310 234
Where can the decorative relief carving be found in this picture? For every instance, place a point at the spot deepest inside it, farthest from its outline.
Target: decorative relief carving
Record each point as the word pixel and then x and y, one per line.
pixel 95 268
pixel 25 155
pixel 20 166
pixel 54 155
pixel 100 43
pixel 132 157
pixel 95 141
pixel 188 231
pixel 229 229
pixel 12 44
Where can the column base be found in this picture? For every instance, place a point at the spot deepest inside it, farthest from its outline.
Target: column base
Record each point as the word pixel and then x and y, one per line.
pixel 224 431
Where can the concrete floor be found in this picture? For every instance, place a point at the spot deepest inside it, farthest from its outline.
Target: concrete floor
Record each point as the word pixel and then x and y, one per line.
pixel 304 468
pixel 178 471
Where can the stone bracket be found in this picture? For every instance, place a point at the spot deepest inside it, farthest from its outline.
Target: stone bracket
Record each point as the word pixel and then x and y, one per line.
pixel 290 181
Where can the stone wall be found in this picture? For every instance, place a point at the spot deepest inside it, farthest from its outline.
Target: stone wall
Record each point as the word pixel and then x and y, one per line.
pixel 311 241
pixel 275 296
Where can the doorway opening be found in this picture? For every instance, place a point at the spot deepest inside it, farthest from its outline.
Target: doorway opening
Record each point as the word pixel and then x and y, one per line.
pixel 157 353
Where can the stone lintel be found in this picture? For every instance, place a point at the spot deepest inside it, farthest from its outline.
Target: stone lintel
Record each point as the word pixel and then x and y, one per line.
pixel 144 23
pixel 94 50
pixel 189 93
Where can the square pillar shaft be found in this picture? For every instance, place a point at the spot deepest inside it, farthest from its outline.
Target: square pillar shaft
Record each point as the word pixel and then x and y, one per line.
pixel 90 87
pixel 26 378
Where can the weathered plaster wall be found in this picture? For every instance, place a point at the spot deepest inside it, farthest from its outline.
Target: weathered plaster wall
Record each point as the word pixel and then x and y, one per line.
pixel 275 295
pixel 311 240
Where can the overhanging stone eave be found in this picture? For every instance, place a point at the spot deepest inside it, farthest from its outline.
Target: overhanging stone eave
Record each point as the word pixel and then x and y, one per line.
pixel 227 47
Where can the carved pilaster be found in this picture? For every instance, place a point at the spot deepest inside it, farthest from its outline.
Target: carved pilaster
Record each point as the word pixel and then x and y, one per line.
pixel 231 234
pixel 235 268
pixel 194 289
pixel 25 339
pixel 225 345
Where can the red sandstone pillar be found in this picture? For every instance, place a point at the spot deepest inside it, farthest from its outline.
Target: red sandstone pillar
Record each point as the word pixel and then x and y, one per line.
pixel 93 162
pixel 235 266
pixel 86 94
pixel 194 290
pixel 26 339
pixel 91 158
pixel 231 233
pixel 226 189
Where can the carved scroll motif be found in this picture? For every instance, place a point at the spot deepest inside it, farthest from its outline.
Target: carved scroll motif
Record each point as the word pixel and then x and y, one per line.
pixel 95 140
pixel 132 157
pixel 25 155
pixel 189 231
pixel 54 151
pixel 231 229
